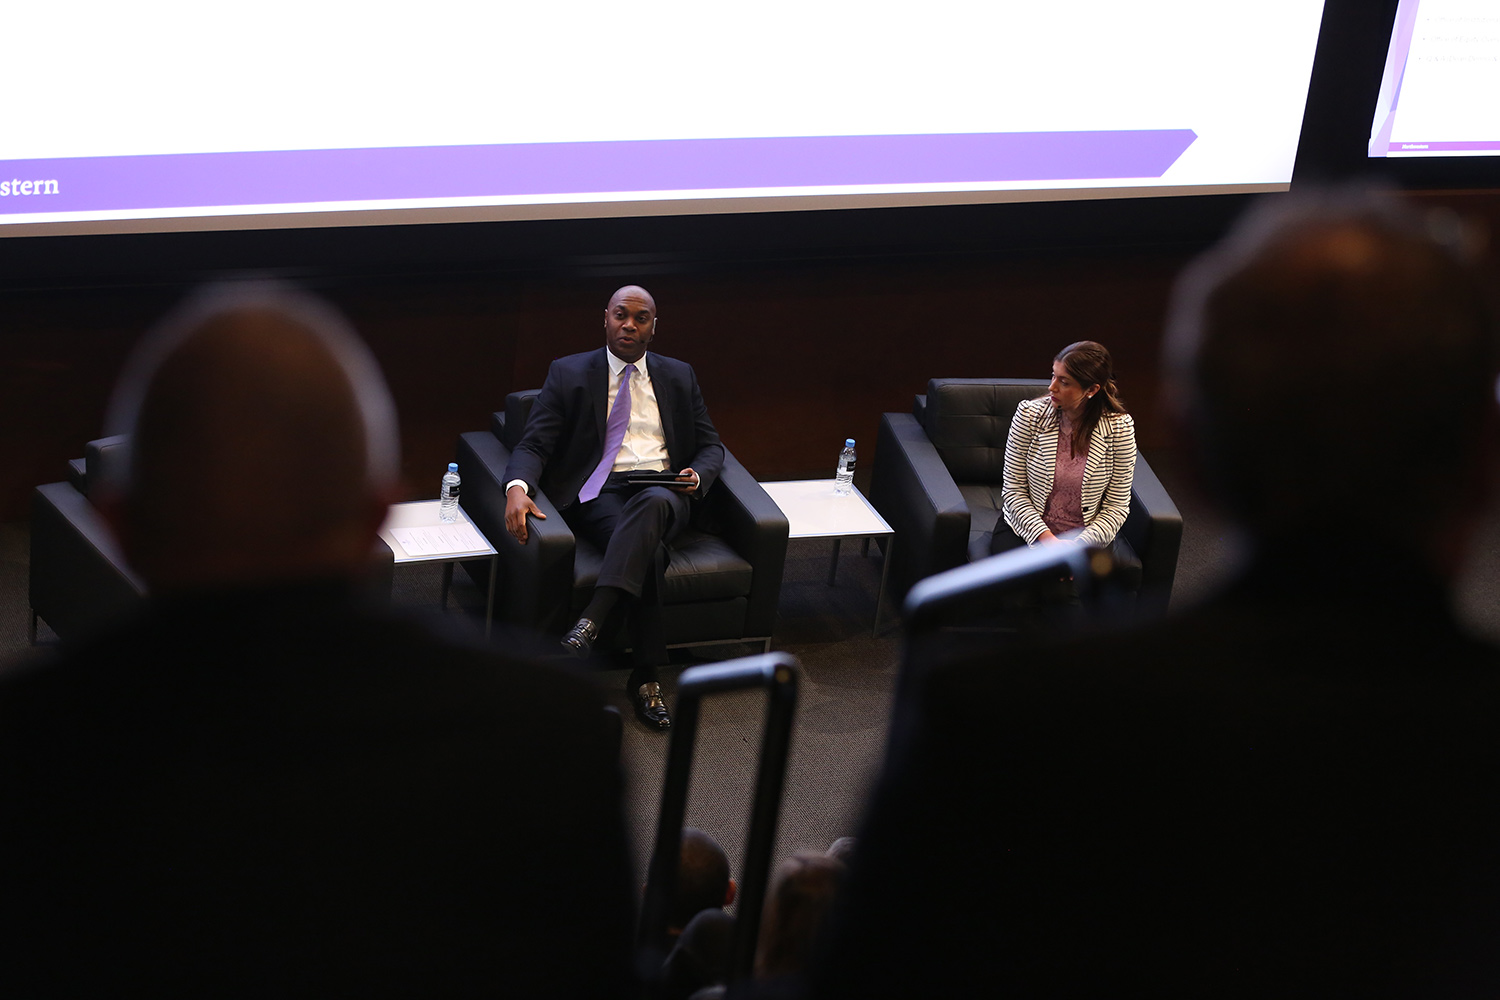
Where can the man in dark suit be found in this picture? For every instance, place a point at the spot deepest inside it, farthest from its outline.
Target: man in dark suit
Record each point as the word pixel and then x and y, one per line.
pixel 602 419
pixel 1291 790
pixel 263 786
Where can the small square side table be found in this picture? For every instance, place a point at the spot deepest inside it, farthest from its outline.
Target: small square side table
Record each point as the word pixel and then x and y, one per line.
pixel 416 534
pixel 813 510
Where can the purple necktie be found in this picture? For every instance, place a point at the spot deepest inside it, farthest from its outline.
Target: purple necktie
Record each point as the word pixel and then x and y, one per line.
pixel 614 436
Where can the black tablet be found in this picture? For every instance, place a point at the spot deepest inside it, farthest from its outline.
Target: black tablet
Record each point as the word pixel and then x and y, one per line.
pixel 655 479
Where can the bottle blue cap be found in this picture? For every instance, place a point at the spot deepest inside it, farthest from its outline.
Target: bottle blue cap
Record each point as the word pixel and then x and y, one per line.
pixel 848 442
pixel 452 466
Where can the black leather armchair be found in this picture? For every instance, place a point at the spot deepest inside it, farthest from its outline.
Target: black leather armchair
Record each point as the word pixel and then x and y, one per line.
pixel 937 482
pixel 79 580
pixel 723 577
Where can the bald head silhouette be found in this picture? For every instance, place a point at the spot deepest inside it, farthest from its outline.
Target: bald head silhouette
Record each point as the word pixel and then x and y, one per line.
pixel 261 444
pixel 703 881
pixel 1338 346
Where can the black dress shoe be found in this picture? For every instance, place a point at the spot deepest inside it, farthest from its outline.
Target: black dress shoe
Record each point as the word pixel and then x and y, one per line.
pixel 650 707
pixel 580 638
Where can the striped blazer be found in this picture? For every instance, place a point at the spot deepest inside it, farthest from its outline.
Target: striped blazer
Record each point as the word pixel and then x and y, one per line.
pixel 1031 456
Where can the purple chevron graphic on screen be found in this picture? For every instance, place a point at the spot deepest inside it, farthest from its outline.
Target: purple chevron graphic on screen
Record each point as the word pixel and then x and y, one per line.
pixel 209 180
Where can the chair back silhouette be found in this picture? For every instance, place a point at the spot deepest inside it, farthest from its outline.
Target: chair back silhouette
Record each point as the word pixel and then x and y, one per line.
pixel 1010 601
pixel 777 674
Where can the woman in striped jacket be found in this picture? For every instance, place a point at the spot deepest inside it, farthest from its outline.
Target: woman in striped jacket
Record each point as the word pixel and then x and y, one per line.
pixel 1070 459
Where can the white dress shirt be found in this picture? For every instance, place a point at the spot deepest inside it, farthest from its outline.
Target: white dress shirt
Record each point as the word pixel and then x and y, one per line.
pixel 645 445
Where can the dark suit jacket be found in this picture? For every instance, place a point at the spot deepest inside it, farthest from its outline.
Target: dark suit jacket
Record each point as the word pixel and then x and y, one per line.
pixel 1294 791
pixel 277 793
pixel 564 437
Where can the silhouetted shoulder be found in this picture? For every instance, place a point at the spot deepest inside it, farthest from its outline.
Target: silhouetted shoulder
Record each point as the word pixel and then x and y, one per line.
pixel 1311 781
pixel 289 774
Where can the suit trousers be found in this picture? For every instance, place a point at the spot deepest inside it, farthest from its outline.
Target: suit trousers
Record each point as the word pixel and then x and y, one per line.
pixel 630 523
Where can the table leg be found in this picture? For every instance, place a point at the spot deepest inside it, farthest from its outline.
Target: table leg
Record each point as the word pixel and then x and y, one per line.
pixel 31 632
pixel 489 603
pixel 833 564
pixel 865 549
pixel 447 582
pixel 885 569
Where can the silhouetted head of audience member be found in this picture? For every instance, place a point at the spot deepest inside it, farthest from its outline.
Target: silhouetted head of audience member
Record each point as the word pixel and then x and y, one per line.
pixel 796 906
pixel 1332 365
pixel 703 881
pixel 261 444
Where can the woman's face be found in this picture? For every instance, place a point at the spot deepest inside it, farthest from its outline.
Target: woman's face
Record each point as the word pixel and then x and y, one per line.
pixel 1067 395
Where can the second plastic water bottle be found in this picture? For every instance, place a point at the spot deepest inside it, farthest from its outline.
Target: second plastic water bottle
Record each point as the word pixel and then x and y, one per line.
pixel 448 502
pixel 843 482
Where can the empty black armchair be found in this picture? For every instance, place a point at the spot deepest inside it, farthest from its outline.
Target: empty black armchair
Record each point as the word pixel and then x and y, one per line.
pixel 937 482
pixel 79 580
pixel 724 573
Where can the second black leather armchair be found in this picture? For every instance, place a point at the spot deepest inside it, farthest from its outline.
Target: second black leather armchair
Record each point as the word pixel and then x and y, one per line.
pixel 937 482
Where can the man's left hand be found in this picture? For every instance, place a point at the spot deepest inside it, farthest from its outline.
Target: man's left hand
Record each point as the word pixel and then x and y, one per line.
pixel 687 481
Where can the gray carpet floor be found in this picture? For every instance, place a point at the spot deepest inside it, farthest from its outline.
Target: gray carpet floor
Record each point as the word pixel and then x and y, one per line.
pixel 846 682
pixel 844 700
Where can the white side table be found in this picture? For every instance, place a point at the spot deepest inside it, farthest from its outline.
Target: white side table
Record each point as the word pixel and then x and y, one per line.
pixel 813 510
pixel 416 534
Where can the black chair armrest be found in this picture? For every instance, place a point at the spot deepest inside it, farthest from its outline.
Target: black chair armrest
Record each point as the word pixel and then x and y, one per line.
pixel 536 579
pixel 79 580
pixel 1154 529
pixel 740 510
pixel 913 491
pixel 102 458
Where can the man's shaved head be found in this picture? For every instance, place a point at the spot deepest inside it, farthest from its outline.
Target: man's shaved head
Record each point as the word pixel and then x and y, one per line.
pixel 632 292
pixel 261 443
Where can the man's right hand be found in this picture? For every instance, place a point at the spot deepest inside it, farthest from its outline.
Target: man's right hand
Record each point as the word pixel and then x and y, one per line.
pixel 517 506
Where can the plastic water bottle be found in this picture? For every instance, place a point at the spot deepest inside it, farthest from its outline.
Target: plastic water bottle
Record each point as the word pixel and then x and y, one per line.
pixel 448 503
pixel 843 483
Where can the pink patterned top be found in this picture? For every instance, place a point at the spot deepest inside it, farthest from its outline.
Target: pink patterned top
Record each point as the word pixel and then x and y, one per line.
pixel 1064 511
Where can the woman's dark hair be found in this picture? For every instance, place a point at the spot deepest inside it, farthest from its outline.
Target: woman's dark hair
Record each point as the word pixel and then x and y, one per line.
pixel 1088 363
pixel 795 908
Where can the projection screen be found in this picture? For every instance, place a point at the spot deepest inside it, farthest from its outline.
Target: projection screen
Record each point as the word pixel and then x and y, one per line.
pixel 1440 95
pixel 167 115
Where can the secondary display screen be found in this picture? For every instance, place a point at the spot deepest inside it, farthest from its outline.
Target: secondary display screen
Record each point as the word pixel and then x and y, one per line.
pixel 174 114
pixel 1440 95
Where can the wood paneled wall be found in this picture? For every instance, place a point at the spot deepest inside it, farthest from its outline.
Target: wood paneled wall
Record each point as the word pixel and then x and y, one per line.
pixel 792 357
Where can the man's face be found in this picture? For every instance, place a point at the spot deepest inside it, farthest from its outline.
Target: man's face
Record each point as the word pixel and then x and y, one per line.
pixel 629 322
